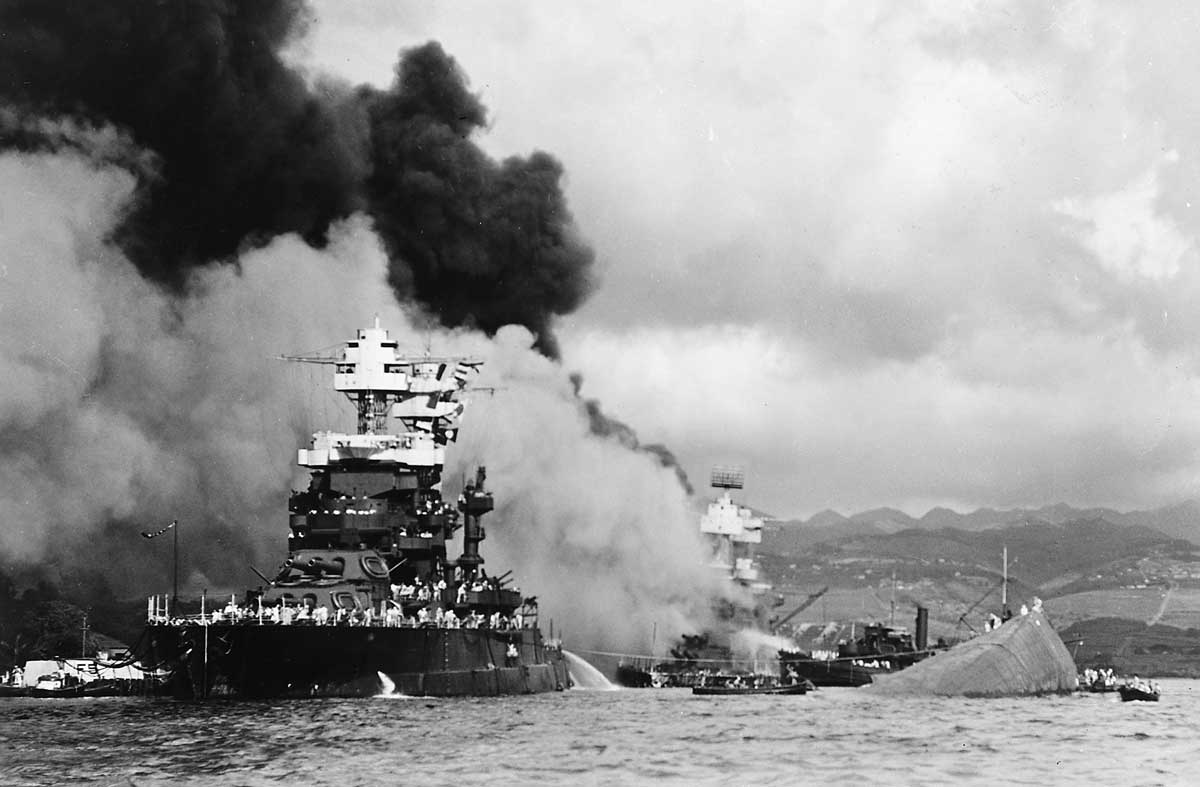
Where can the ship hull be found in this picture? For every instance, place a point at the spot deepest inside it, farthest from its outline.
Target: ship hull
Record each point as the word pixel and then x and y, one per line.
pixel 827 673
pixel 1025 656
pixel 251 661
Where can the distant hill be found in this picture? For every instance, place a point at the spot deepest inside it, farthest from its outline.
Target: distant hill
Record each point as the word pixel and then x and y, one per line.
pixel 1178 521
pixel 1039 551
pixel 1133 648
pixel 889 520
pixel 1084 563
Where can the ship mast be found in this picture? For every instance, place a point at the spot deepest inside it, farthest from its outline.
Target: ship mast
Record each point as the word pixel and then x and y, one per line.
pixel 1004 586
pixel 732 530
pixel 378 380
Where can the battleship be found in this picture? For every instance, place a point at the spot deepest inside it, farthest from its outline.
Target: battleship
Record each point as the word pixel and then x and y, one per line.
pixel 369 599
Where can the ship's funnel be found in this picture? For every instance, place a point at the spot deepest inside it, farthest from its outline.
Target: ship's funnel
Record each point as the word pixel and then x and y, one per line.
pixel 922 635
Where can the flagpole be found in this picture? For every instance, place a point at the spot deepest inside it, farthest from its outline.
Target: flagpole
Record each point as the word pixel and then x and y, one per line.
pixel 175 555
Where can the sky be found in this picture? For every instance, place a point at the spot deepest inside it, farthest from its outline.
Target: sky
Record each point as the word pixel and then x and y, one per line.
pixel 936 254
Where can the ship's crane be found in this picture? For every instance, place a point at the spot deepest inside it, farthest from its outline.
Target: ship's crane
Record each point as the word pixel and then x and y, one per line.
pixel 808 602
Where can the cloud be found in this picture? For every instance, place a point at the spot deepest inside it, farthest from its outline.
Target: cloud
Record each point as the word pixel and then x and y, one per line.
pixel 965 232
pixel 1014 415
pixel 1124 232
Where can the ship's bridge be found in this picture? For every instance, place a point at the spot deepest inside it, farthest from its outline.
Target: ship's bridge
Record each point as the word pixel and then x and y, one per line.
pixel 726 518
pixel 409 450
pixel 421 391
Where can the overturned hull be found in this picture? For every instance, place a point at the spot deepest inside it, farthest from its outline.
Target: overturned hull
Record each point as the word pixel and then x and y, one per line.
pixel 252 661
pixel 1025 656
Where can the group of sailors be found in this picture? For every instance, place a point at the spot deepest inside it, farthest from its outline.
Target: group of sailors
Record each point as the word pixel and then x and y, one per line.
pixel 14 677
pixel 391 615
pixel 1097 678
pixel 435 589
pixel 994 621
pixel 1148 686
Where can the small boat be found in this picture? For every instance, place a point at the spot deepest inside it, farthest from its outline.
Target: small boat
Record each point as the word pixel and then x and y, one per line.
pixel 57 684
pixel 729 691
pixel 1101 688
pixel 12 684
pixel 1132 693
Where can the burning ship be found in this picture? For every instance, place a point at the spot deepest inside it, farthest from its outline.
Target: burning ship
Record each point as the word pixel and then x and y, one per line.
pixel 368 598
pixel 731 532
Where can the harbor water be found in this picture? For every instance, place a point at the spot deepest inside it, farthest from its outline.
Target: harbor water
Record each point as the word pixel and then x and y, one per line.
pixel 581 736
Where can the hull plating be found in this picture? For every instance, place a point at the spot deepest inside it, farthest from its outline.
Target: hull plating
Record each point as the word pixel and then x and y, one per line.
pixel 336 661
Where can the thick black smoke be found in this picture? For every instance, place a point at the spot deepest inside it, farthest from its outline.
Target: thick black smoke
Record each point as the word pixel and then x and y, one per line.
pixel 481 241
pixel 245 150
pixel 181 135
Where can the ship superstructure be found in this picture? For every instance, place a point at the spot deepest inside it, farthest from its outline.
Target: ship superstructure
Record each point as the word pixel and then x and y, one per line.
pixel 371 594
pixel 733 531
pixel 373 509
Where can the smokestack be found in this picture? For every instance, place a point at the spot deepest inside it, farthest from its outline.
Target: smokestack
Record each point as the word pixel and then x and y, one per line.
pixel 922 640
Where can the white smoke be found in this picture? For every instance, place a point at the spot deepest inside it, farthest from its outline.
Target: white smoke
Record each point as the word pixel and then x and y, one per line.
pixel 124 407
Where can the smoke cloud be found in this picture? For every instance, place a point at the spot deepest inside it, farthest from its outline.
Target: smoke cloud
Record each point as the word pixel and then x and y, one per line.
pixel 484 245
pixel 125 407
pixel 178 206
pixel 244 150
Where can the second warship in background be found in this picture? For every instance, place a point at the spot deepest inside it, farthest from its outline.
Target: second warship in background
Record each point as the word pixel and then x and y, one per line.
pixel 880 650
pixel 731 531
pixel 369 599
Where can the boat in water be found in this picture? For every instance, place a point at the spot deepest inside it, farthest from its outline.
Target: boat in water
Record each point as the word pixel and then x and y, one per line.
pixel 737 691
pixel 1099 681
pixel 1138 692
pixel 880 650
pixel 1021 656
pixel 369 598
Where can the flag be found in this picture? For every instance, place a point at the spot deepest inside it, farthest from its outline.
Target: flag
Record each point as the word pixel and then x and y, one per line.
pixel 157 533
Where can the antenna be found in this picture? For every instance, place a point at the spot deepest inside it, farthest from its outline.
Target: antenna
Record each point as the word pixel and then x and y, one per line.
pixel 1004 587
pixel 728 477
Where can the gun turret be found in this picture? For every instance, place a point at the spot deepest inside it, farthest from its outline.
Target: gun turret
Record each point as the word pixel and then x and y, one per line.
pixel 292 564
pixel 322 566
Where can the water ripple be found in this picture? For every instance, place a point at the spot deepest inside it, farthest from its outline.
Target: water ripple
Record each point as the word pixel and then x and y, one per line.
pixel 625 737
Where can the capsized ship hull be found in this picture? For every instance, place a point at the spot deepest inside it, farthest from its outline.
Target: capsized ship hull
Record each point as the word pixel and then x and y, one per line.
pixel 252 661
pixel 1025 656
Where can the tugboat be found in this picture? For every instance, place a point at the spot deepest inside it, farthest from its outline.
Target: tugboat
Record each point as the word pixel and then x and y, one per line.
pixel 368 600
pixel 880 650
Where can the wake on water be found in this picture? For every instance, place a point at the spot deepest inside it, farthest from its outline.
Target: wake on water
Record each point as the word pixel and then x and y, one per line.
pixel 587 677
pixel 387 689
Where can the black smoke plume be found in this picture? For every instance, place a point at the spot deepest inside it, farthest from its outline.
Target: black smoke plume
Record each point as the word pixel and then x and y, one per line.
pixel 133 389
pixel 604 425
pixel 245 150
pixel 481 242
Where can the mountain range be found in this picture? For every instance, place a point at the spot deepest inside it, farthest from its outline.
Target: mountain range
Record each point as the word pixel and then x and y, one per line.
pixel 1177 521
